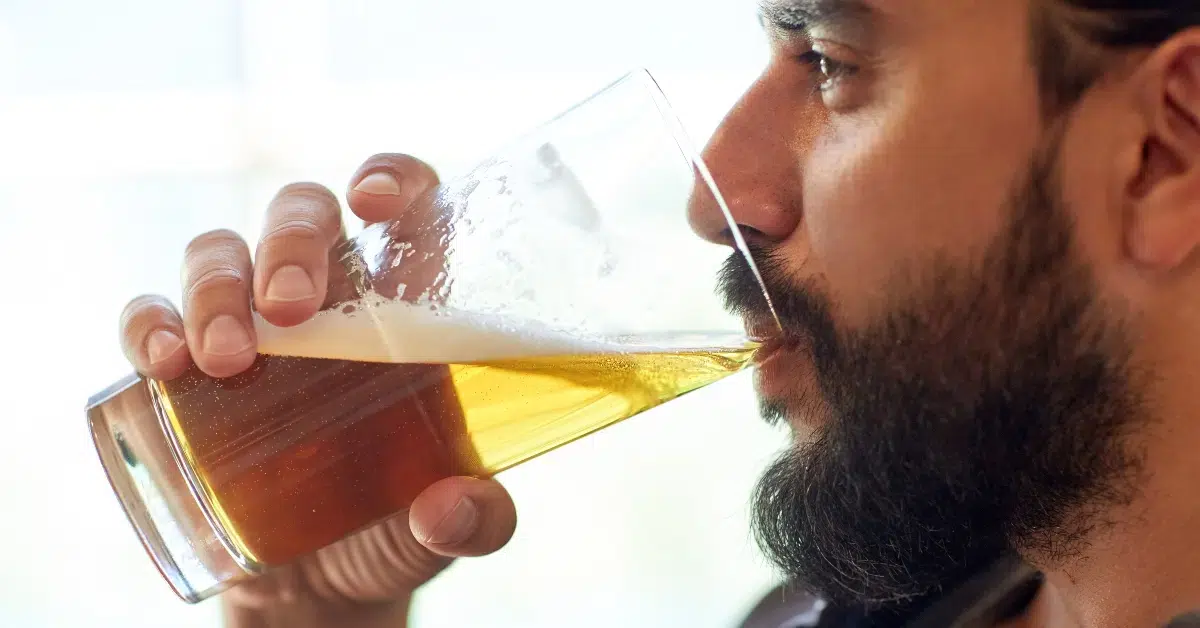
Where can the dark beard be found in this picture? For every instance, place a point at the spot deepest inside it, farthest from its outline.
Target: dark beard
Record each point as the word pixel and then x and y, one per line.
pixel 988 412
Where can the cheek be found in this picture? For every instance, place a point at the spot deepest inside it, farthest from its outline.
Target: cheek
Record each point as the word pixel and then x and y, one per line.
pixel 883 198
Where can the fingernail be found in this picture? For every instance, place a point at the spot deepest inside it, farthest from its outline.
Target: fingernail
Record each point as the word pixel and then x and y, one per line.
pixel 289 284
pixel 457 526
pixel 379 183
pixel 225 336
pixel 161 345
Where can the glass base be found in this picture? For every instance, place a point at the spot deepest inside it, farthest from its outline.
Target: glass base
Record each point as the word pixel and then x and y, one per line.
pixel 138 458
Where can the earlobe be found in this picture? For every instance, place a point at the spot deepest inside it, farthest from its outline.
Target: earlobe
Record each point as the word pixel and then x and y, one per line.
pixel 1163 198
pixel 1163 238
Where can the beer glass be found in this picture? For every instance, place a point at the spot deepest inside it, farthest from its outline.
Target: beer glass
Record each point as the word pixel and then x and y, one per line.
pixel 554 290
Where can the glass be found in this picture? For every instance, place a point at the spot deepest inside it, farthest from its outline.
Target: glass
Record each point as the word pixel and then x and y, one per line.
pixel 553 291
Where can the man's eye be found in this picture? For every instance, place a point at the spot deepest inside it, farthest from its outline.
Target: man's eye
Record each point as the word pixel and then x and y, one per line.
pixel 831 70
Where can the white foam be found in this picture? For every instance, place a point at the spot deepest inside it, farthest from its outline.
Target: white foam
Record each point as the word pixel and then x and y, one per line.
pixel 397 332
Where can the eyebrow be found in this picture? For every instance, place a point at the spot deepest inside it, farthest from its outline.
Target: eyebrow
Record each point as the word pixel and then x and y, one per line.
pixel 804 15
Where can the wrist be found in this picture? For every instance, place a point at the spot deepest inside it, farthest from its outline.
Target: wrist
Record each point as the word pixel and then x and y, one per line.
pixel 307 612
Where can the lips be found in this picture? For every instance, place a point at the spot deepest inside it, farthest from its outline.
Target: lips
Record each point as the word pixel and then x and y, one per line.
pixel 769 338
pixel 783 364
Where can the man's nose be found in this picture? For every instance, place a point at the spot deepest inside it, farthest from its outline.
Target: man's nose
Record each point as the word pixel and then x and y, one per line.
pixel 755 167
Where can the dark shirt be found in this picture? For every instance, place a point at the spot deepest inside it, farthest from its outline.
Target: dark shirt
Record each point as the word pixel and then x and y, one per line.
pixel 1001 592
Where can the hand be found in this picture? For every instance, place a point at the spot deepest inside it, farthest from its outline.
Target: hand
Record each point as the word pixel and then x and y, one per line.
pixel 376 570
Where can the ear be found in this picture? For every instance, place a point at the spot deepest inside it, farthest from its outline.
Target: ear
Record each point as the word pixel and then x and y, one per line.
pixel 1163 197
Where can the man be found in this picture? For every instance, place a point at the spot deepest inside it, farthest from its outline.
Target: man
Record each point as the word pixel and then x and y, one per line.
pixel 980 223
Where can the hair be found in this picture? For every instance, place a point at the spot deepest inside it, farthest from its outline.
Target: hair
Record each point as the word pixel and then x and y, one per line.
pixel 1075 41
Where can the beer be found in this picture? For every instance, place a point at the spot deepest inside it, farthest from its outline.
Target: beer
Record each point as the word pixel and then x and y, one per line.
pixel 344 420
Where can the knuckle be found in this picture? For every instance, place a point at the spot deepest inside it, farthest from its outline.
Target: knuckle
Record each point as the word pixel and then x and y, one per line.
pixel 144 308
pixel 141 303
pixel 215 259
pixel 303 210
pixel 296 228
pixel 218 239
pixel 306 190
pixel 215 277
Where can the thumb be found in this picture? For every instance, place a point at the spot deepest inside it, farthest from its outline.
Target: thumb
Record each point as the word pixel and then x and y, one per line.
pixel 463 517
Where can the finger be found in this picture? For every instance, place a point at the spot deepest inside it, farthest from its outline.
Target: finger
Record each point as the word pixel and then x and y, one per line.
pixel 292 261
pixel 396 188
pixel 152 338
pixel 463 517
pixel 216 303
pixel 385 185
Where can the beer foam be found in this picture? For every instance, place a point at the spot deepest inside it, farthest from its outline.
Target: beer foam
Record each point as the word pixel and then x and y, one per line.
pixel 399 332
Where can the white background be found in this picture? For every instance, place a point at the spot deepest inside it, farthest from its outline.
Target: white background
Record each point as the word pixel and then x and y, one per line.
pixel 128 126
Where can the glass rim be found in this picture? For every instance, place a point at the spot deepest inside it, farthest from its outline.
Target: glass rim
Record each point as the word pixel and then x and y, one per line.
pixel 692 155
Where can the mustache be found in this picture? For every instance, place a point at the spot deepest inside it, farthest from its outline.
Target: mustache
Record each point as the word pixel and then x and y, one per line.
pixel 802 306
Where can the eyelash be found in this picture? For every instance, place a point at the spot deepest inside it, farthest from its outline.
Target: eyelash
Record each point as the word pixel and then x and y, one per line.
pixel 832 69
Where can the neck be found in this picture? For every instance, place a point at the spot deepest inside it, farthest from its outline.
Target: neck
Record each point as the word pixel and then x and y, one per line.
pixel 1143 569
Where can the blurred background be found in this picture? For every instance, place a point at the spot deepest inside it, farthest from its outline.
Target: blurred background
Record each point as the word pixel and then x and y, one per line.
pixel 129 126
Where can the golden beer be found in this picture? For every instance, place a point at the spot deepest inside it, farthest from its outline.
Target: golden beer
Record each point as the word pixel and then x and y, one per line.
pixel 298 452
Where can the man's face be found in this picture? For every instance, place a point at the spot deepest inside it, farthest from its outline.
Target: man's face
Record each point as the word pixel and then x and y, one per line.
pixel 956 384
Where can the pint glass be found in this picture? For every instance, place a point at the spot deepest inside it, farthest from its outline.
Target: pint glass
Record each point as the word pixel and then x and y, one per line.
pixel 554 290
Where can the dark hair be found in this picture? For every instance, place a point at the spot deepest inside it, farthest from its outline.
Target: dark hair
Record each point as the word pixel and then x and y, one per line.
pixel 1074 40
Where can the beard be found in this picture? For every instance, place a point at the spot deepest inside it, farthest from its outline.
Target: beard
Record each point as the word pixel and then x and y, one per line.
pixel 988 411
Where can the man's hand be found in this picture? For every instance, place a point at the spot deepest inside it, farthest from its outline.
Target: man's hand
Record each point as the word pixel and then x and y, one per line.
pixel 367 579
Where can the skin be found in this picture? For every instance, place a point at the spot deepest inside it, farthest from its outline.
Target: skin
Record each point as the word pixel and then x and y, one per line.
pixel 847 176
pixel 1046 611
